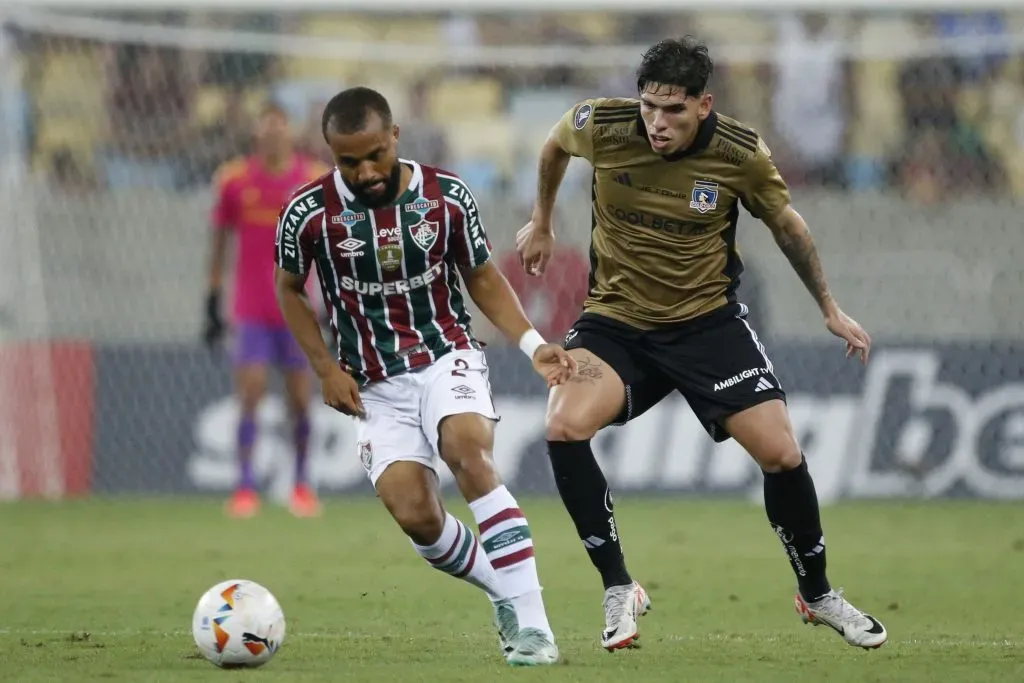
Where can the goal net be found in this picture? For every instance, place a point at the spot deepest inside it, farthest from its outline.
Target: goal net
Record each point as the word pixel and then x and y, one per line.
pixel 901 135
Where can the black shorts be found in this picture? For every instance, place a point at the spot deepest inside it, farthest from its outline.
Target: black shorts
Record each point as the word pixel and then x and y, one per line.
pixel 715 361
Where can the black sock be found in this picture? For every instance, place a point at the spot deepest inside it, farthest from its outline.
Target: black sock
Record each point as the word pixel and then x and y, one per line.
pixel 586 497
pixel 792 507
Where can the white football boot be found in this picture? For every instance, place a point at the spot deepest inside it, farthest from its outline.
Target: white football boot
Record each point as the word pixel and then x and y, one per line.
pixel 623 605
pixel 532 647
pixel 856 627
pixel 507 623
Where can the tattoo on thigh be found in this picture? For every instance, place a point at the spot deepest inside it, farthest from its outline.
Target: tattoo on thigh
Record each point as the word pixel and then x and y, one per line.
pixel 587 370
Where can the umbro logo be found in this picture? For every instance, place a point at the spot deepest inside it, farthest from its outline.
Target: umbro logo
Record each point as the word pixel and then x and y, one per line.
pixel 462 391
pixel 350 247
pixel 624 179
pixel 763 385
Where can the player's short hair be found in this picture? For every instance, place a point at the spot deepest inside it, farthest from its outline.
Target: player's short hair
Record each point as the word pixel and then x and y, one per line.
pixel 681 62
pixel 350 110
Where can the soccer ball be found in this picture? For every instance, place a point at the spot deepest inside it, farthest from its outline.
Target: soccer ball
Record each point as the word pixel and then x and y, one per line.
pixel 237 624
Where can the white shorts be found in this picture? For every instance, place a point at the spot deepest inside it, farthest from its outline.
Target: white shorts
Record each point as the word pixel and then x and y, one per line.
pixel 403 412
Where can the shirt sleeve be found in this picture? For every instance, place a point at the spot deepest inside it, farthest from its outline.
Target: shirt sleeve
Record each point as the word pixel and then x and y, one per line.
pixel 468 240
pixel 298 226
pixel 765 192
pixel 224 215
pixel 575 130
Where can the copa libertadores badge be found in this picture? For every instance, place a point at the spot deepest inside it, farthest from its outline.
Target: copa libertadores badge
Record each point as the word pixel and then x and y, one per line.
pixel 582 116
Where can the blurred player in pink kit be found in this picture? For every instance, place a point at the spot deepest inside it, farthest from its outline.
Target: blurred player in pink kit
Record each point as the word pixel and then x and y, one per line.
pixel 249 194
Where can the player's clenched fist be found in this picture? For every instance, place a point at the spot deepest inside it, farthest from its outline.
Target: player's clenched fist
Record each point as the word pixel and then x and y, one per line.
pixel 341 392
pixel 553 364
pixel 535 244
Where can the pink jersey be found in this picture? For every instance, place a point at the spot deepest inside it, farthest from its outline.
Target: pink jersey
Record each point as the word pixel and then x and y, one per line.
pixel 248 200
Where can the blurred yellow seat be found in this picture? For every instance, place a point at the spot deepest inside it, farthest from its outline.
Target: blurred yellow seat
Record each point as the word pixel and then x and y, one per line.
pixel 465 99
pixel 493 140
pixel 877 127
pixel 413 31
pixel 70 106
pixel 598 27
pixel 253 101
pixel 209 105
pixel 70 83
pixel 70 134
pixel 734 28
pixel 337 29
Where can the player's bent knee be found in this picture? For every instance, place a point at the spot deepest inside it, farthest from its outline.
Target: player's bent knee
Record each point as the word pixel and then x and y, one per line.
pixel 476 472
pixel 468 455
pixel 568 424
pixel 779 459
pixel 465 441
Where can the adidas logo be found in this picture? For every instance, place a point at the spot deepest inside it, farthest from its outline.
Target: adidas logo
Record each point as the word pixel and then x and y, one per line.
pixel 624 179
pixel 763 385
pixel 593 542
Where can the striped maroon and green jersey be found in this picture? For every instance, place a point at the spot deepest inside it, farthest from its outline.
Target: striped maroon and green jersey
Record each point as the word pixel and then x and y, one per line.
pixel 389 276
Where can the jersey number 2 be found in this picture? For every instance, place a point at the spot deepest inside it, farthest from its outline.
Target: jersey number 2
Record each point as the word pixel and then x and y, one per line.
pixel 460 365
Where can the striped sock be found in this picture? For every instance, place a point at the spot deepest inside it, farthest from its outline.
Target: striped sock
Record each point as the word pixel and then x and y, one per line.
pixel 458 553
pixel 506 538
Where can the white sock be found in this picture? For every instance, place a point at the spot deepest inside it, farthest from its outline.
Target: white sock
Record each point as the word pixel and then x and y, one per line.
pixel 459 554
pixel 506 538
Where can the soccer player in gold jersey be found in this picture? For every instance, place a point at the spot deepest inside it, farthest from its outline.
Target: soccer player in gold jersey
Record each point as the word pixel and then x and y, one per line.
pixel 670 175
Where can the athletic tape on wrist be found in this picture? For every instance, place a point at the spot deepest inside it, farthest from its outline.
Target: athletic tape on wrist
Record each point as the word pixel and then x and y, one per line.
pixel 530 341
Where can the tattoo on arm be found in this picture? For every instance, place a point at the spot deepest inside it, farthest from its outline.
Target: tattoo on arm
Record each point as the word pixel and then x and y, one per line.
pixel 550 172
pixel 544 180
pixel 798 246
pixel 587 370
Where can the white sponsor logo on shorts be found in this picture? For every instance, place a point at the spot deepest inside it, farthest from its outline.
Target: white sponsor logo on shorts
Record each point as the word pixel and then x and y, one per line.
pixel 737 378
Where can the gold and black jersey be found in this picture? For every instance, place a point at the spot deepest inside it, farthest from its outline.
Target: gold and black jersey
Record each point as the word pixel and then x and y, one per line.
pixel 663 246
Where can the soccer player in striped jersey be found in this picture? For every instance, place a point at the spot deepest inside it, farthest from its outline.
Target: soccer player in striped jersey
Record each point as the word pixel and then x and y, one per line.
pixel 248 195
pixel 389 238
pixel 670 176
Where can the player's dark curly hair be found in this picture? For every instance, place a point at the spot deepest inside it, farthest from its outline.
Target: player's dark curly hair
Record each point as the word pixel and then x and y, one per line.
pixel 681 62
pixel 350 110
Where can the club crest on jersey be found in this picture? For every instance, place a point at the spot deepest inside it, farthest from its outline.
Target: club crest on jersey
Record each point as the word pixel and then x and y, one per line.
pixel 424 234
pixel 704 196
pixel 582 116
pixel 348 217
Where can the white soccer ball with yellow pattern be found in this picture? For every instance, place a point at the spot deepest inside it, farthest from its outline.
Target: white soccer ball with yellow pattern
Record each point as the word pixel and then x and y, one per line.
pixel 238 624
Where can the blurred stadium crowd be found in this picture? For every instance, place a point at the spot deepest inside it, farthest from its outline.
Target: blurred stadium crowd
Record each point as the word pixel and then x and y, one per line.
pixel 102 116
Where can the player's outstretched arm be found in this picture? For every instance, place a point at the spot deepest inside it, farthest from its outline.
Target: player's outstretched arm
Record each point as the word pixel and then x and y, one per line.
pixel 536 241
pixel 794 239
pixel 498 301
pixel 340 390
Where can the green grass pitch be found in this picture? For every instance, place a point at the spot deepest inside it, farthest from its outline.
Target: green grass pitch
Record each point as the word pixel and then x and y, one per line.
pixel 103 590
